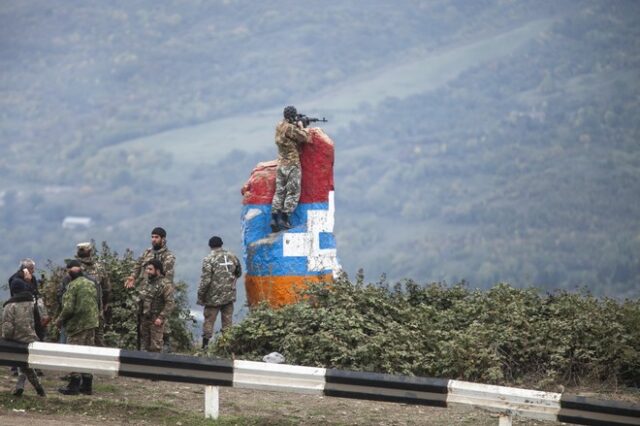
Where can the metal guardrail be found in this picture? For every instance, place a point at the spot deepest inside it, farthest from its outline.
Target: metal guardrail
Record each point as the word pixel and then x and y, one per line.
pixel 506 401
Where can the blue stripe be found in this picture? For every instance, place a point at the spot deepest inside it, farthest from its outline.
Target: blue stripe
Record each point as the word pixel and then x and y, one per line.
pixel 265 258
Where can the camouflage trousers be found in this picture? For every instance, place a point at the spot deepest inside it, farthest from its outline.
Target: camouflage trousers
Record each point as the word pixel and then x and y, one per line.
pixel 210 314
pixel 25 373
pixel 151 335
pixel 287 192
pixel 84 338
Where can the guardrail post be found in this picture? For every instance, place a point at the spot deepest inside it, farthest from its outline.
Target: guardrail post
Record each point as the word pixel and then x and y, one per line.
pixel 505 419
pixel 211 403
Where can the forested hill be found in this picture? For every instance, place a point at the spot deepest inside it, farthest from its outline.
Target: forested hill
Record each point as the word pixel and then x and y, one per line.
pixel 480 140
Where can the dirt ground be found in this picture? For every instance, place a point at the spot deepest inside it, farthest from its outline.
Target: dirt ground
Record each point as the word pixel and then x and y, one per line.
pixel 124 401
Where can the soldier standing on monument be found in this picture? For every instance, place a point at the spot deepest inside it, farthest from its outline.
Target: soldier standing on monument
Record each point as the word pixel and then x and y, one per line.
pixel 217 289
pixel 157 251
pixel 156 304
pixel 290 134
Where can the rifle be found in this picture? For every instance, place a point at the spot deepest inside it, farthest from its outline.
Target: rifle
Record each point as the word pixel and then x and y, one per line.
pixel 308 120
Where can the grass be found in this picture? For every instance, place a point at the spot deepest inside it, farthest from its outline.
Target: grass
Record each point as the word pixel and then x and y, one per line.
pixel 109 409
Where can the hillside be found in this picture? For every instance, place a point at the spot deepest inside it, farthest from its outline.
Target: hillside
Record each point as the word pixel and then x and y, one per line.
pixel 488 141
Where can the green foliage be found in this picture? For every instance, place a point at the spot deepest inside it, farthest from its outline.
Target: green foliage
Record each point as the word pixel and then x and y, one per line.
pixel 504 335
pixel 121 329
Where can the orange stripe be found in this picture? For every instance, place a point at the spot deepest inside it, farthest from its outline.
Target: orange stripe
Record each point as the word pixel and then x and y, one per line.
pixel 279 291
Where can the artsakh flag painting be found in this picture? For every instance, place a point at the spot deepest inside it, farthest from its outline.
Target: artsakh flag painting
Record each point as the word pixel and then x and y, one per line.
pixel 280 264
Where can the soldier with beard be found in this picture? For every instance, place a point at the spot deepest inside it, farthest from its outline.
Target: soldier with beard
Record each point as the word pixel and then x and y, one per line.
pixel 156 303
pixel 80 318
pixel 158 251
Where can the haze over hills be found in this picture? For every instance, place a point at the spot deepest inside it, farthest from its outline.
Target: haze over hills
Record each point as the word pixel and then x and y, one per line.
pixel 487 141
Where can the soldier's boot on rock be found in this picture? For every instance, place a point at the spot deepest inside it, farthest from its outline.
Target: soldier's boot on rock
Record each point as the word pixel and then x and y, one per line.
pixel 274 222
pixel 283 221
pixel 205 343
pixel 73 388
pixel 86 388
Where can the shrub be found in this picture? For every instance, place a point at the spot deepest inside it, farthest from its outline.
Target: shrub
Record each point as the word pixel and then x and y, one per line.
pixel 503 335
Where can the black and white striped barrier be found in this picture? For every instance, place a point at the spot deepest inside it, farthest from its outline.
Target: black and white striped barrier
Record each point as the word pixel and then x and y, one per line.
pixel 508 402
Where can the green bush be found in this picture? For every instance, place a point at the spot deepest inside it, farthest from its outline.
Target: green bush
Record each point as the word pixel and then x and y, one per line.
pixel 504 335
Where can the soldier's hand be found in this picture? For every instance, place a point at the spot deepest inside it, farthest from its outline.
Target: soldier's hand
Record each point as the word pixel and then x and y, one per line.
pixel 129 282
pixel 158 322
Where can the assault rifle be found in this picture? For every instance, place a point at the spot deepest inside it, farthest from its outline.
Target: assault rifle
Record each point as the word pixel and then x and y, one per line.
pixel 308 120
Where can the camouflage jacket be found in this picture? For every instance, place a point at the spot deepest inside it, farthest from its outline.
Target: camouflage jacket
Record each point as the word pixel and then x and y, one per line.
pixel 288 139
pixel 94 269
pixel 18 320
pixel 220 270
pixel 165 256
pixel 79 306
pixel 156 298
pixel 94 272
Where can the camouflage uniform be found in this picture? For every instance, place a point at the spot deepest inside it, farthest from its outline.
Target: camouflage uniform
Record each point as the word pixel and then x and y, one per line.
pixel 18 324
pixel 79 307
pixel 165 256
pixel 217 289
pixel 168 261
pixel 288 139
pixel 95 271
pixel 80 316
pixel 156 301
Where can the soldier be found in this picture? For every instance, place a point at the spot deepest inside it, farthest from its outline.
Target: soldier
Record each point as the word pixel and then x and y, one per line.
pixel 156 303
pixel 25 280
pixel 158 251
pixel 289 136
pixel 217 290
pixel 95 271
pixel 80 318
pixel 18 324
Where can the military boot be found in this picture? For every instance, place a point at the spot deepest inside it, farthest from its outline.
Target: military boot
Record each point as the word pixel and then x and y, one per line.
pixel 40 390
pixel 86 387
pixel 73 388
pixel 19 390
pixel 283 221
pixel 205 343
pixel 275 227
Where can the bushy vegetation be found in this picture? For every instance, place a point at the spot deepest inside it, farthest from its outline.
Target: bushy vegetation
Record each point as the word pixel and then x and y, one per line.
pixel 504 335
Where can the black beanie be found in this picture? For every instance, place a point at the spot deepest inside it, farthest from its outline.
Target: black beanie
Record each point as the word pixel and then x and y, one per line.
pixel 72 263
pixel 215 242
pixel 159 231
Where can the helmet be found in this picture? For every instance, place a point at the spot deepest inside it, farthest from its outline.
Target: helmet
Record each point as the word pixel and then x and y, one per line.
pixel 290 113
